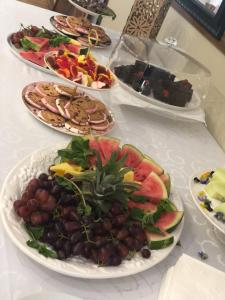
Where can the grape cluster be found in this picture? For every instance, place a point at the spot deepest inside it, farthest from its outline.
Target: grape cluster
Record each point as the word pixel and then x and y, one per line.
pixel 94 5
pixel 105 240
pixel 17 36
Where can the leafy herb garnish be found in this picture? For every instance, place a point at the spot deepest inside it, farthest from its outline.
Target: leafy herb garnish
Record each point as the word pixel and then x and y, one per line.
pixel 78 152
pixel 36 232
pixel 139 198
pixel 58 40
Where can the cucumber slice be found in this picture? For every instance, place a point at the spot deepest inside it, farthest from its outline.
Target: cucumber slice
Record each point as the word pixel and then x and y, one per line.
pixel 220 208
pixel 157 241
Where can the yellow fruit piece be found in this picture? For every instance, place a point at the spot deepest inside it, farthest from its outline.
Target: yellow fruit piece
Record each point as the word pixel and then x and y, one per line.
pixel 74 42
pixel 82 58
pixel 129 177
pixel 63 168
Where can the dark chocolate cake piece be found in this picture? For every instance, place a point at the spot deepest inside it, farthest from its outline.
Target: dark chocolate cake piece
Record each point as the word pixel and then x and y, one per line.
pixel 150 80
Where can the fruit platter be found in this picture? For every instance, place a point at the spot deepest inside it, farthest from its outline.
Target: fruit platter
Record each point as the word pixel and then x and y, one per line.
pixel 92 209
pixel 67 109
pixel 82 30
pixel 208 193
pixel 31 43
pixel 80 70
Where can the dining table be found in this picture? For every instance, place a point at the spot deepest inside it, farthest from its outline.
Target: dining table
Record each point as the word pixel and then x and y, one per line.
pixel 181 147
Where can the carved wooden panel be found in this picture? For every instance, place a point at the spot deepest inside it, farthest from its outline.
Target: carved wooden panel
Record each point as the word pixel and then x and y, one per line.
pixel 146 17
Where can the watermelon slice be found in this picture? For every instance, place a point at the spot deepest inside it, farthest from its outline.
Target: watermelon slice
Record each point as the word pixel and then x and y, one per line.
pixel 158 241
pixel 146 166
pixel 153 188
pixel 168 221
pixel 35 57
pixel 37 42
pixel 105 146
pixel 108 145
pixel 73 48
pixel 167 181
pixel 93 145
pixel 134 156
pixel 146 207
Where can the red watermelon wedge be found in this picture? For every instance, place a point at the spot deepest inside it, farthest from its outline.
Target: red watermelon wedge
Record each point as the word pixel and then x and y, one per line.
pixel 35 57
pixel 146 166
pixel 37 42
pixel 134 156
pixel 107 146
pixel 153 188
pixel 168 221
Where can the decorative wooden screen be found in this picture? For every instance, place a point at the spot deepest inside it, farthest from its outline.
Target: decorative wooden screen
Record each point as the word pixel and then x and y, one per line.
pixel 146 17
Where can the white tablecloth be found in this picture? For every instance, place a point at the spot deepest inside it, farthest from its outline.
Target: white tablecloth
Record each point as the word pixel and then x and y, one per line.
pixel 180 147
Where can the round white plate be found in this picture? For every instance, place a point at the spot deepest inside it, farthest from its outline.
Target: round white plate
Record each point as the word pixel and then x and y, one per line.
pixel 53 22
pixel 193 104
pixel 195 188
pixel 15 51
pixel 49 296
pixel 33 165
pixel 34 111
pixel 73 82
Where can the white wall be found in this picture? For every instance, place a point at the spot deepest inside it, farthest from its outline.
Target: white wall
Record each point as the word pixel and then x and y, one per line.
pixel 195 44
pixel 122 9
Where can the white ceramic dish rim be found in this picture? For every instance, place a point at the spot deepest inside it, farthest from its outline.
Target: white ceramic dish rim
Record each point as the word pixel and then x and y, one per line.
pixel 52 21
pixel 46 262
pixel 50 54
pixel 209 216
pixel 63 129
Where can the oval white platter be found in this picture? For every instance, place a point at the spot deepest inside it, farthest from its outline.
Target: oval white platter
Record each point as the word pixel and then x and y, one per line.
pixel 15 51
pixel 51 54
pixel 195 188
pixel 34 111
pixel 32 166
pixel 53 22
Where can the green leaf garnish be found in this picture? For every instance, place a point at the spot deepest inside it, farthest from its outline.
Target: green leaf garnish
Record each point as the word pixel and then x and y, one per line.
pixel 78 152
pixel 139 198
pixel 42 249
pixel 35 232
pixel 58 40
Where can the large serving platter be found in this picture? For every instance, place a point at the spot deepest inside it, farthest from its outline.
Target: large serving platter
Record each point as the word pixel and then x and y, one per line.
pixel 15 51
pixel 34 111
pixel 53 54
pixel 32 166
pixel 53 22
pixel 195 189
